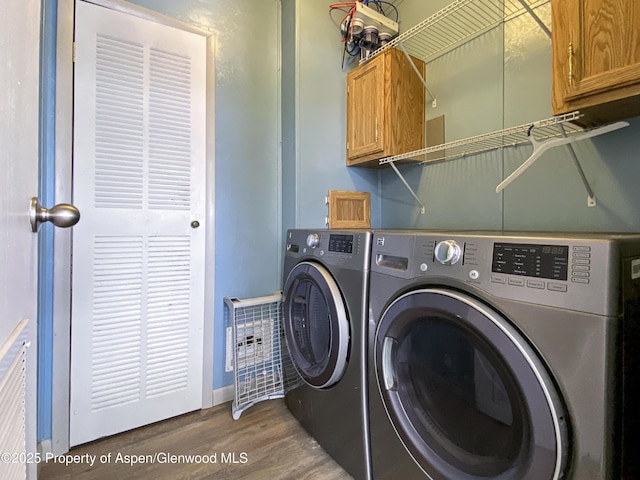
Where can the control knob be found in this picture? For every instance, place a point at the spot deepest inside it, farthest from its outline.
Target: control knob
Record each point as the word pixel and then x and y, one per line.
pixel 447 252
pixel 313 240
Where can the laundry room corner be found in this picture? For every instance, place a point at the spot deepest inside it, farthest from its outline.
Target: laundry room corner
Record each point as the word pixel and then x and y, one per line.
pixel 499 80
pixel 314 116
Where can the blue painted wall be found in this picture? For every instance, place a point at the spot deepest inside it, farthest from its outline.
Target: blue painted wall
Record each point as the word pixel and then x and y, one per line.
pixel 288 95
pixel 318 122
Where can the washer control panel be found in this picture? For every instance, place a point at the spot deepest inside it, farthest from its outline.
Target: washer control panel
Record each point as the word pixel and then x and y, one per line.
pixel 552 269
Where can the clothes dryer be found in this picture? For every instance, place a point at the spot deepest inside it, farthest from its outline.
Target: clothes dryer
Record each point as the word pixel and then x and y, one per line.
pixel 510 356
pixel 325 299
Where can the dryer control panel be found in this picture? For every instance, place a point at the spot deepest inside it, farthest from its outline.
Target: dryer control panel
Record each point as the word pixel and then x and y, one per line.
pixel 341 248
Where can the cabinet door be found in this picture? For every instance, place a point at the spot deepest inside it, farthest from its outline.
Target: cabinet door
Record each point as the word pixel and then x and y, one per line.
pixel 596 56
pixel 365 109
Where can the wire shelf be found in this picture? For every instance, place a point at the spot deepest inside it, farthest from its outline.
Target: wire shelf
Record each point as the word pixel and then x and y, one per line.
pixel 509 137
pixel 458 23
pixel 542 135
pixel 263 369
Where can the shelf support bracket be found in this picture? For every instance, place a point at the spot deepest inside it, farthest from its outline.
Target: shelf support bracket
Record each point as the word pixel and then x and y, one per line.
pixel 434 102
pixel 540 147
pixel 591 198
pixel 536 18
pixel 406 184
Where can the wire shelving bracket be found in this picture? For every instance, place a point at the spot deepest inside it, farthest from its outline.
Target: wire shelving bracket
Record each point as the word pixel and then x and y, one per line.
pixel 550 133
pixel 406 184
pixel 540 147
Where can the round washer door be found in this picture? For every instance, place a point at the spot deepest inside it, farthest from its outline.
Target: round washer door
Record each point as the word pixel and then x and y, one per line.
pixel 316 326
pixel 466 394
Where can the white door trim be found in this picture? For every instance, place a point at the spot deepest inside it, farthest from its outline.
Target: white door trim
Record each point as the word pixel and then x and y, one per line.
pixel 62 250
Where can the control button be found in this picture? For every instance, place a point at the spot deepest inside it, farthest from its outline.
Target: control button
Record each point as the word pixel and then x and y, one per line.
pixel 518 282
pixel 474 274
pixel 556 287
pixel 581 248
pixel 580 280
pixel 498 279
pixel 581 255
pixel 580 274
pixel 581 261
pixel 424 267
pixel 584 268
pixel 535 284
pixel 321 252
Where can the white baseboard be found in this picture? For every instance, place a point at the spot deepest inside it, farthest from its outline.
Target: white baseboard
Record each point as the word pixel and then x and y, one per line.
pixel 223 395
pixel 45 448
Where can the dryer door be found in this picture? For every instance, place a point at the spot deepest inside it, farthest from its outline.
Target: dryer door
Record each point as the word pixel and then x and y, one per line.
pixel 315 324
pixel 466 394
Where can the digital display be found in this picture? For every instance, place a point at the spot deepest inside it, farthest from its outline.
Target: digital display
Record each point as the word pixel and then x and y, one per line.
pixel 341 243
pixel 539 261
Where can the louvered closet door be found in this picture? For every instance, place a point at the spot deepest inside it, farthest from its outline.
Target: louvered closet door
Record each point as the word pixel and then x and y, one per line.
pixel 138 263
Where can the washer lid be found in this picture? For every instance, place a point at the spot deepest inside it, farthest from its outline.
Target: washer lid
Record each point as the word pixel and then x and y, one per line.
pixel 466 394
pixel 316 326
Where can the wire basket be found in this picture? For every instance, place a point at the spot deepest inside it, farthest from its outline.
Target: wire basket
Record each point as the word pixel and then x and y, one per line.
pixel 261 363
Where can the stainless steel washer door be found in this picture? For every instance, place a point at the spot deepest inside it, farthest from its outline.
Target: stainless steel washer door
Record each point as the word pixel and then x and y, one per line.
pixel 466 394
pixel 316 325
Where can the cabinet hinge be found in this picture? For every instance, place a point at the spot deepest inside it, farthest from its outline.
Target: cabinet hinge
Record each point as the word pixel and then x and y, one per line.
pixel 347 145
pixel 376 129
pixel 73 52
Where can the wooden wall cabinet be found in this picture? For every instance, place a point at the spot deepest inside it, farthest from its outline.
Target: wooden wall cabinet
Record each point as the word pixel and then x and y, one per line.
pixel 385 109
pixel 596 58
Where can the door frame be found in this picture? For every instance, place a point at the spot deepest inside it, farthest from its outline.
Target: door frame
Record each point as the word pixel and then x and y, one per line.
pixel 61 381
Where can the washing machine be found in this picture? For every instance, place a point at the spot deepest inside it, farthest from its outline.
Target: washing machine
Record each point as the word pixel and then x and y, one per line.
pixel 510 356
pixel 325 299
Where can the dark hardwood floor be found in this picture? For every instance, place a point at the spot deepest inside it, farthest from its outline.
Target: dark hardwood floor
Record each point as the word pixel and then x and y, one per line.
pixel 266 442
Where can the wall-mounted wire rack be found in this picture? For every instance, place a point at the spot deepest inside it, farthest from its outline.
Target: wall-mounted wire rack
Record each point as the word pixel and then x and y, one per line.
pixel 542 135
pixel 458 23
pixel 262 366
